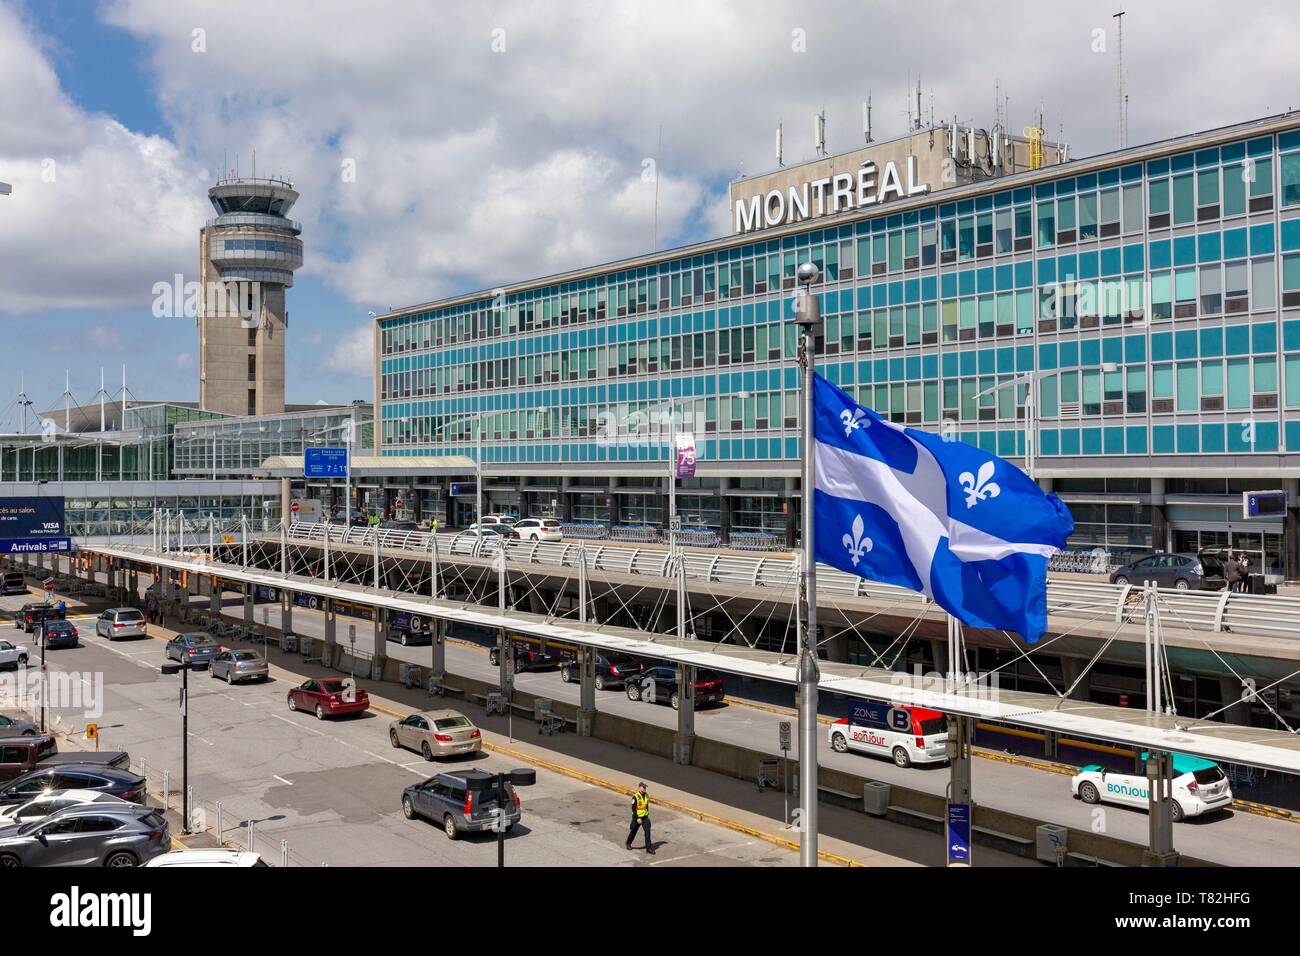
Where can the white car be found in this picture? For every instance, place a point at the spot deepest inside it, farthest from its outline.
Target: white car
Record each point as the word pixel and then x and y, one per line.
pixel 500 519
pixel 12 654
pixel 906 735
pixel 48 803
pixel 539 529
pixel 216 856
pixel 1199 786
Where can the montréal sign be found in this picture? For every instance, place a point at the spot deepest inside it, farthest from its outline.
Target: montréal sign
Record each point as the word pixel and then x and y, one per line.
pixel 829 195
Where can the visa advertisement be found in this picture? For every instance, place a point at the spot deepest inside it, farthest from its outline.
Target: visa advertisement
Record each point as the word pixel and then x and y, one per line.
pixel 32 526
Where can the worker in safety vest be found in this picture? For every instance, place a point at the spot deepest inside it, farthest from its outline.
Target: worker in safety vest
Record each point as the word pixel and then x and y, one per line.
pixel 640 818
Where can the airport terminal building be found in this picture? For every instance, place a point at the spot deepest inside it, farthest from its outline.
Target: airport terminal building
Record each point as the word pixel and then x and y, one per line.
pixel 1152 295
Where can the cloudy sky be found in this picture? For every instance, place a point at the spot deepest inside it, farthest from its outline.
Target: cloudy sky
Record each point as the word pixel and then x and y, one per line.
pixel 446 147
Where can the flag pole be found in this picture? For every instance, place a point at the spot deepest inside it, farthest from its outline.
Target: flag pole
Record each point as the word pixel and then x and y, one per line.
pixel 808 315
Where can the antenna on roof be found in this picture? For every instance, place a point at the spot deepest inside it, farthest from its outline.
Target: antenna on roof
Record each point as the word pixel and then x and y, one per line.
pixel 819 132
pixel 918 103
pixel 779 160
pixel 24 402
pixel 1121 100
pixel 866 119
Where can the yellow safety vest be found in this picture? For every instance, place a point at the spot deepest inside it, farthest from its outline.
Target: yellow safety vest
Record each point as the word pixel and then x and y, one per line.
pixel 642 804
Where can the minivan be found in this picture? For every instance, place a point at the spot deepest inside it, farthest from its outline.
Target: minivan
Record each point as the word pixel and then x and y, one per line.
pixel 20 755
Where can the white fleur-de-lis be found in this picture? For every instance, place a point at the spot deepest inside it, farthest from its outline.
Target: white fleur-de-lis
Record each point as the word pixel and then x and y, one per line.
pixel 853 420
pixel 977 489
pixel 856 544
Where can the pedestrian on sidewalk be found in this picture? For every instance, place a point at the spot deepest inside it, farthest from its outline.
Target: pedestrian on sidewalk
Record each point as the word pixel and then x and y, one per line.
pixel 641 818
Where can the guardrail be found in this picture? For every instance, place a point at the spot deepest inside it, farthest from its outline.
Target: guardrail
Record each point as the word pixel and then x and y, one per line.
pixel 1214 611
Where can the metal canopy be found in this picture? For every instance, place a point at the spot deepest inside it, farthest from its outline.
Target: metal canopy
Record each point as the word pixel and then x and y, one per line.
pixel 1230 743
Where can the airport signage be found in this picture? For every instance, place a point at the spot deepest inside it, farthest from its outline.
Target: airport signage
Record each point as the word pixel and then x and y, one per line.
pixel 685 455
pixel 325 462
pixel 31 518
pixel 871 185
pixel 958 834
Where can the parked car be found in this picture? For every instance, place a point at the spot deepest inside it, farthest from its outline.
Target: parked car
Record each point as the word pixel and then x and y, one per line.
pixel 16 727
pixel 35 613
pixel 23 754
pixel 99 758
pixel 436 733
pixel 233 665
pixel 61 634
pixel 15 582
pixel 1199 787
pixel 1171 570
pixel 489 531
pixel 42 806
pixel 539 529
pixel 399 526
pixel 903 733
pixel 120 783
pixel 409 630
pixel 197 648
pixel 612 670
pixel 530 655
pixel 211 856
pixel 658 685
pixel 327 697
pixel 120 622
pixel 89 835
pixel 12 655
pixel 460 802
pixel 500 519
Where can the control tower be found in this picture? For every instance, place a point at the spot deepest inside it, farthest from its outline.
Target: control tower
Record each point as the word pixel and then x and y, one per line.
pixel 247 257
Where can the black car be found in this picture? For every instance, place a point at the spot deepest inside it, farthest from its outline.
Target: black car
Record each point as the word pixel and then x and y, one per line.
pixel 612 670
pixel 460 802
pixel 530 655
pixel 102 779
pixel 398 526
pixel 658 685
pixel 61 634
pixel 36 613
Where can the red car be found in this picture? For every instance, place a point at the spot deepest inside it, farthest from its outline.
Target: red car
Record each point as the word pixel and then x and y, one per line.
pixel 328 697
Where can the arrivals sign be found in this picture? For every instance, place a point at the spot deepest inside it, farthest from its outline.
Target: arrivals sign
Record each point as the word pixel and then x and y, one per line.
pixel 829 195
pixel 32 526
pixel 685 455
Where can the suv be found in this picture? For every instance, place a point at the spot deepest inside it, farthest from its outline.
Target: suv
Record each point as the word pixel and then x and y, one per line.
pixel 461 802
pixel 79 776
pixel 15 582
pixel 658 685
pixel 36 613
pixel 1180 571
pixel 539 529
pixel 120 622
pixel 529 655
pixel 92 834
pixel 409 629
pixel 612 670
pixel 20 755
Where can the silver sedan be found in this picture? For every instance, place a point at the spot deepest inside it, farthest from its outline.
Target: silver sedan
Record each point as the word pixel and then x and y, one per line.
pixel 436 733
pixel 238 665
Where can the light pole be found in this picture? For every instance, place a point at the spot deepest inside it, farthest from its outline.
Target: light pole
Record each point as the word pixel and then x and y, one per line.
pixel 519 777
pixel 477 419
pixel 808 317
pixel 1031 408
pixel 348 428
pixel 184 667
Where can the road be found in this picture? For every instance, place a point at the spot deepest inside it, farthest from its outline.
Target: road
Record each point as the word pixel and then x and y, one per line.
pixel 1236 838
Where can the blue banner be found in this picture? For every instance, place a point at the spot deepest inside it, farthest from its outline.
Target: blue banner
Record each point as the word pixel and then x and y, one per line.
pixel 959 834
pixel 31 518
pixel 325 462
pixel 35 545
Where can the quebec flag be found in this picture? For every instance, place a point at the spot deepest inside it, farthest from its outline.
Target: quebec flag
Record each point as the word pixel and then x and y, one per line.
pixel 901 506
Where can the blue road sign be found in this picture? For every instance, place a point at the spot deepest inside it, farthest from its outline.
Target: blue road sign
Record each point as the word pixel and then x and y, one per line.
pixel 325 462
pixel 35 545
pixel 959 834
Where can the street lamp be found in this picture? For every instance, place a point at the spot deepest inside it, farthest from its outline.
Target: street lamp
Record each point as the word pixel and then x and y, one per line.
pixel 348 428
pixel 185 666
pixel 808 317
pixel 1031 408
pixel 477 419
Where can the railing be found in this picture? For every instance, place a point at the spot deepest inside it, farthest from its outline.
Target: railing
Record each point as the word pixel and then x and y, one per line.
pixel 1199 610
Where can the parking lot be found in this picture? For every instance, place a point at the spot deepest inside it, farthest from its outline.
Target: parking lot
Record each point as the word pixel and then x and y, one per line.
pixel 332 789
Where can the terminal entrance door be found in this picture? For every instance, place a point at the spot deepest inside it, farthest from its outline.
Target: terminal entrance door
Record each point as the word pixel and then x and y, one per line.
pixel 1263 549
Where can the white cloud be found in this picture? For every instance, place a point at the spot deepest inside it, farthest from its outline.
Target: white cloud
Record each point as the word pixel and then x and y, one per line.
pixel 354 352
pixel 98 213
pixel 183 361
